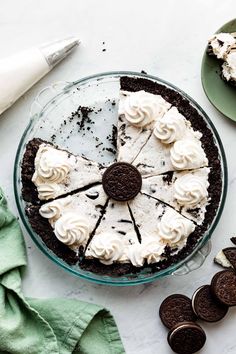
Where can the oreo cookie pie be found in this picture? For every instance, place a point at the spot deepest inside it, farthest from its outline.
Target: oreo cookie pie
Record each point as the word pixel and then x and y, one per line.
pixel 149 208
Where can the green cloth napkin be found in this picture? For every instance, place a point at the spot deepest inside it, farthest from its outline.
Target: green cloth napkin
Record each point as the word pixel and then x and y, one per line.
pixel 51 326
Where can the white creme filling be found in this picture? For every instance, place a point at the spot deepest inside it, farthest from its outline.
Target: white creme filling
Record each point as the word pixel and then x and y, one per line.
pixel 221 44
pixel 229 66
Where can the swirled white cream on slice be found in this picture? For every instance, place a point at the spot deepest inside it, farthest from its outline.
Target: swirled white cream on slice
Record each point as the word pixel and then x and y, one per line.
pixel 174 229
pixel 73 218
pixel 155 156
pixel 221 43
pixel 57 172
pixel 160 222
pixel 186 154
pixel 186 191
pixel 138 112
pixel 114 237
pixel 229 67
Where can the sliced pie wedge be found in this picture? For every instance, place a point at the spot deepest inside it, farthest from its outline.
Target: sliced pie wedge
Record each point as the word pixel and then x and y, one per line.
pixel 74 218
pixel 172 146
pixel 115 236
pixel 158 221
pixel 56 172
pixel 138 112
pixel 186 191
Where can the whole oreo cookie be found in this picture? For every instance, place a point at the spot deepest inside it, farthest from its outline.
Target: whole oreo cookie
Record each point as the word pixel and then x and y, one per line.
pixel 186 338
pixel 223 286
pixel 175 309
pixel 122 181
pixel 230 254
pixel 206 306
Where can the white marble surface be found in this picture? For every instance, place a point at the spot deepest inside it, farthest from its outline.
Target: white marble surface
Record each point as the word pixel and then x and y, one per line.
pixel 166 38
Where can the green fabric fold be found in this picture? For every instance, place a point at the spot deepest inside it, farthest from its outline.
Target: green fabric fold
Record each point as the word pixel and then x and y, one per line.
pixel 45 326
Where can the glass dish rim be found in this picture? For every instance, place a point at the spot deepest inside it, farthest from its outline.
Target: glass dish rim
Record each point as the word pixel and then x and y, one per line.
pixel 108 280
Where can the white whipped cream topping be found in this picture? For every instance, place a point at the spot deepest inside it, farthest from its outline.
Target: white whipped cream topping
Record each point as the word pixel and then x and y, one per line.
pixel 187 154
pixel 174 229
pixel 170 127
pixel 108 248
pixel 134 254
pixel 190 190
pixel 51 165
pixel 221 44
pixel 141 108
pixel 149 250
pixel 229 66
pixel 54 209
pixel 72 230
pixel 152 250
pixel 48 190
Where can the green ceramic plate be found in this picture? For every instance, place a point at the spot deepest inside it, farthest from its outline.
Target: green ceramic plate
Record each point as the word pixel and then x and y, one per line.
pixel 219 93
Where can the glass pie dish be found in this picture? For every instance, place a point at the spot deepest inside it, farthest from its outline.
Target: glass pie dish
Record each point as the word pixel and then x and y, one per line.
pixel 48 114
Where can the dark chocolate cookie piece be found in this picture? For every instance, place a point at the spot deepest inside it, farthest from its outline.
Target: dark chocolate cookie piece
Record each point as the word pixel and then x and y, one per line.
pixel 206 306
pixel 223 286
pixel 186 338
pixel 233 240
pixel 230 254
pixel 175 309
pixel 122 181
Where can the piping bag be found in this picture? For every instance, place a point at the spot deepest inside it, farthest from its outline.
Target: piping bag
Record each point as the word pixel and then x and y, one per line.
pixel 21 71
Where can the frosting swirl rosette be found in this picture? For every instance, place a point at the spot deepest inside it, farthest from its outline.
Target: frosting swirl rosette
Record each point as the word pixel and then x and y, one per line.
pixel 173 229
pixel 72 230
pixel 141 108
pixel 51 165
pixel 187 154
pixel 48 191
pixel 53 210
pixel 152 250
pixel 170 127
pixel 190 190
pixel 107 248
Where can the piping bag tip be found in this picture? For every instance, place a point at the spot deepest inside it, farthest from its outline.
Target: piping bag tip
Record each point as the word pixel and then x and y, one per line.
pixel 57 50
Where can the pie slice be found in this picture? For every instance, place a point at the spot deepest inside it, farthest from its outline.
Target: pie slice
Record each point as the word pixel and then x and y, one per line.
pixel 138 112
pixel 115 237
pixel 186 191
pixel 157 221
pixel 53 172
pixel 173 145
pixel 75 217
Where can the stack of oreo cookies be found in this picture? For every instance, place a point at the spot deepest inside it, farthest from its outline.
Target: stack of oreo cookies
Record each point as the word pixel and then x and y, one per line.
pixel 209 303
